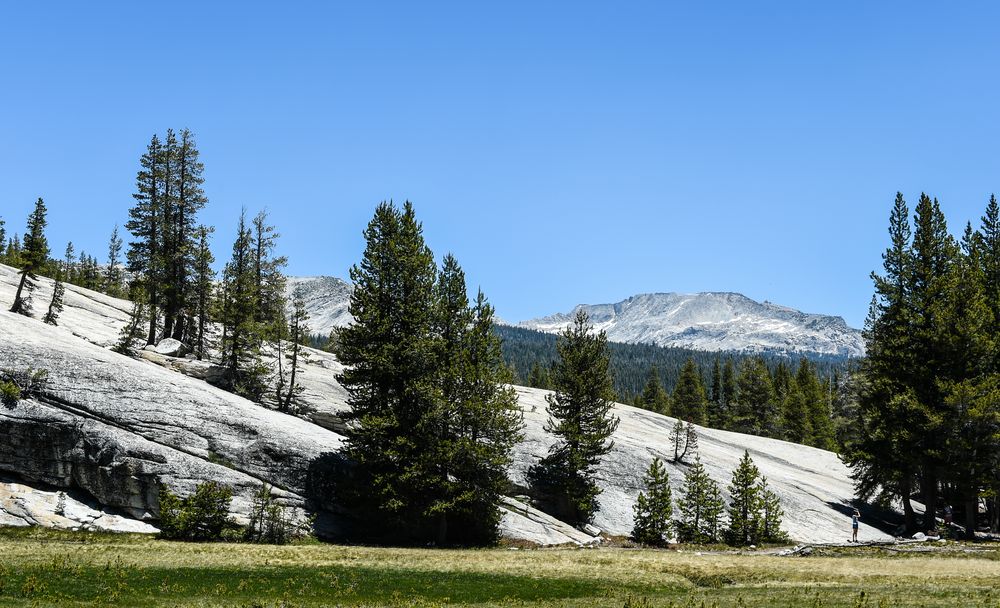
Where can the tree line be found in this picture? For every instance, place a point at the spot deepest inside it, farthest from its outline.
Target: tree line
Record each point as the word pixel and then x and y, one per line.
pixel 928 393
pixel 751 394
pixel 238 321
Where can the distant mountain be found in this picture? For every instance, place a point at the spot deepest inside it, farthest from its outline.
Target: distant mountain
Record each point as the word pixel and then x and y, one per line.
pixel 714 322
pixel 326 299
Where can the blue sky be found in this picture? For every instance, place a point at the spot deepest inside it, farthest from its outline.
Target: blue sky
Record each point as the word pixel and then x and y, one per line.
pixel 564 152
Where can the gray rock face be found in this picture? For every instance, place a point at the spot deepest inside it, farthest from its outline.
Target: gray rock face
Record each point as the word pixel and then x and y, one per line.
pixel 117 427
pixel 24 505
pixel 114 428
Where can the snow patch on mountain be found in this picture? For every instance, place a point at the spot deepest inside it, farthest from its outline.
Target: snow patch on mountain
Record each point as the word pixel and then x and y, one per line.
pixel 713 321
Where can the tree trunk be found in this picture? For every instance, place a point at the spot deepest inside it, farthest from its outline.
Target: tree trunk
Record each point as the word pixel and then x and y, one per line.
pixel 971 511
pixel 929 492
pixel 909 517
pixel 291 382
pixel 151 337
pixel 442 531
pixel 17 297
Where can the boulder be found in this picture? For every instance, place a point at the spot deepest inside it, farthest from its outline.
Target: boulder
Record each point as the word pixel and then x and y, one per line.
pixel 24 505
pixel 169 347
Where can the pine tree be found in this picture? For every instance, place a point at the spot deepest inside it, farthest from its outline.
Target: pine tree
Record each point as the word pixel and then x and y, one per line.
pixel 204 279
pixel 581 419
pixel 653 509
pixel 729 391
pixel 820 424
pixel 145 253
pixel 795 418
pixel 654 397
pixel 781 382
pixel 298 332
pixel 269 281
pixel 771 514
pixel 716 400
pixel 700 507
pixel 883 453
pixel 755 411
pixel 934 254
pixel 55 304
pixel 745 504
pixel 689 402
pixel 69 264
pixel 391 380
pixel 683 440
pixel 132 331
pixel 3 241
pixel 33 257
pixel 488 426
pixel 244 371
pixel 184 233
pixel 113 278
pixel 538 377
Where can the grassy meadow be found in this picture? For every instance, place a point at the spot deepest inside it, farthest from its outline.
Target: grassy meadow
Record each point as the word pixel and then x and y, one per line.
pixel 50 568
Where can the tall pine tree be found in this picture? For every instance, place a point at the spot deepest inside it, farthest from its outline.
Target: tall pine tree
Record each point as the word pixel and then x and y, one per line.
pixel 580 417
pixel 34 256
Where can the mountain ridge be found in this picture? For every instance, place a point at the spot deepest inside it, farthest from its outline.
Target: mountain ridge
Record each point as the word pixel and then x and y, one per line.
pixel 713 321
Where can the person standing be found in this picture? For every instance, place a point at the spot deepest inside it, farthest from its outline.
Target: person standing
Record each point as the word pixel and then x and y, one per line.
pixel 854 526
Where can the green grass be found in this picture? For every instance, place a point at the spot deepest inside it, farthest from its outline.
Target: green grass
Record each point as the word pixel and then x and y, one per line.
pixel 49 568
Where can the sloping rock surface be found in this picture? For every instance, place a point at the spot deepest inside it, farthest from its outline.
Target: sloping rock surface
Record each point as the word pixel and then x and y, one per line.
pixel 116 427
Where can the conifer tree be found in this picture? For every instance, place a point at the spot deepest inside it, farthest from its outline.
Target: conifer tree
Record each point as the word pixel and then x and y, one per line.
pixel 755 411
pixel 55 304
pixel 795 416
pixel 538 377
pixel 580 417
pixel 113 277
pixel 33 257
pixel 745 504
pixel 654 397
pixel 132 331
pixel 391 380
pixel 820 423
pixel 204 279
pixel 69 264
pixel 244 371
pixel 934 254
pixel 298 332
pixel 771 514
pixel 729 391
pixel 781 382
pixel 700 506
pixel 689 401
pixel 716 400
pixel 3 240
pixel 145 254
pixel 269 281
pixel 13 256
pixel 653 509
pixel 183 233
pixel 883 454
pixel 683 440
pixel 488 425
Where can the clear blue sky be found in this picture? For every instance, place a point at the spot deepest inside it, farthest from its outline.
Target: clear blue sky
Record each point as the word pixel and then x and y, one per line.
pixel 565 152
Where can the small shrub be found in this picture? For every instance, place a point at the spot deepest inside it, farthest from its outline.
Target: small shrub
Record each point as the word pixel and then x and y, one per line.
pixel 10 394
pixel 21 384
pixel 269 521
pixel 202 516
